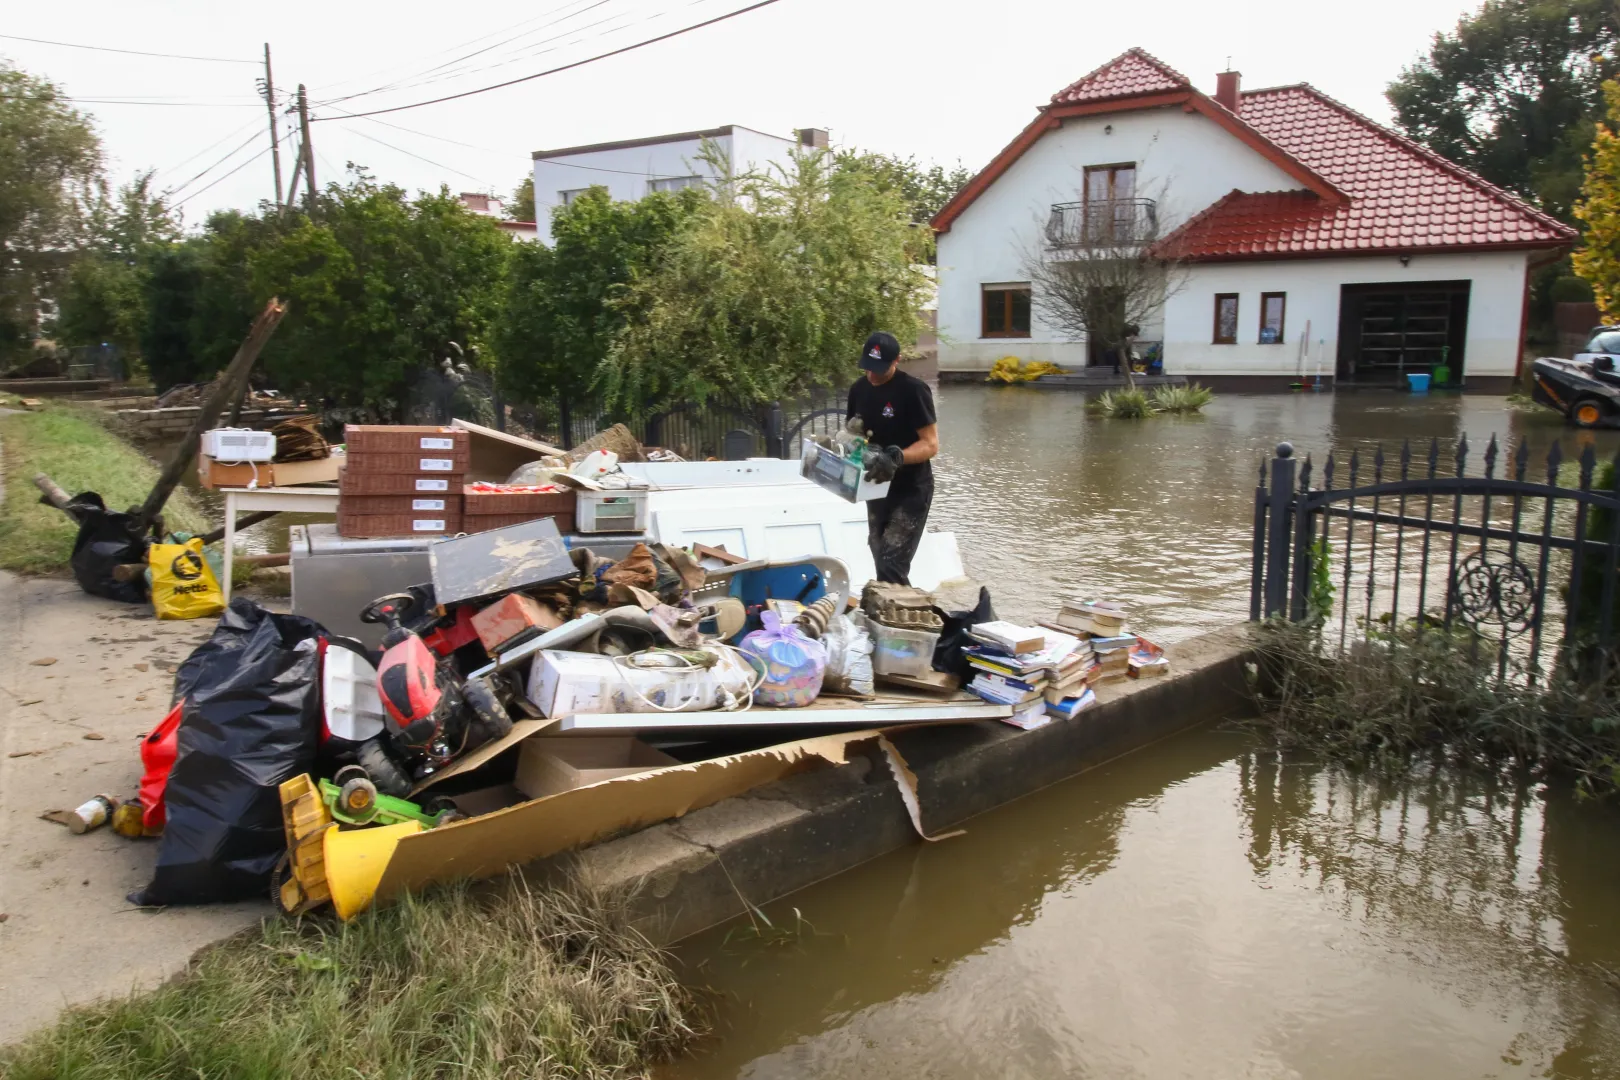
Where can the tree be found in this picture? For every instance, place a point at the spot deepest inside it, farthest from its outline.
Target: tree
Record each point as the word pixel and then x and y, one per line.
pixel 103 298
pixel 379 285
pixel 1513 94
pixel 1598 259
pixel 522 205
pixel 50 161
pixel 1103 277
pixel 925 190
pixel 559 319
pixel 771 290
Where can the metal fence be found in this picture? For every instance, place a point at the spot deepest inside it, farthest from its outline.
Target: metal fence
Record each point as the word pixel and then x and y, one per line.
pixel 1523 563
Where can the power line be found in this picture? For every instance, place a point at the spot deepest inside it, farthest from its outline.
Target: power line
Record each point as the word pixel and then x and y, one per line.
pixel 243 146
pixel 221 179
pixel 129 52
pixel 211 146
pixel 575 64
pixel 179 104
pixel 419 157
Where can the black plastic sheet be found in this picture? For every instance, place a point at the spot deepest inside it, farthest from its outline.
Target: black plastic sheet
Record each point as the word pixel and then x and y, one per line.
pixel 953 637
pixel 251 719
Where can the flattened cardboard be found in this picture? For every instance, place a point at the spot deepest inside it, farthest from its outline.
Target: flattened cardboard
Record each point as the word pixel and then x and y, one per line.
pixel 495 455
pixel 481 847
pixel 548 766
pixel 521 729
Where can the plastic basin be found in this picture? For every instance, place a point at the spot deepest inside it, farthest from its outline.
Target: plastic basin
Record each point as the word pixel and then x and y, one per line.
pixel 1420 383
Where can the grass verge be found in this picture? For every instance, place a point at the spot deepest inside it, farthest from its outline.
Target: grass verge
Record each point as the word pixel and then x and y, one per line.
pixel 502 981
pixel 72 445
pixel 1401 694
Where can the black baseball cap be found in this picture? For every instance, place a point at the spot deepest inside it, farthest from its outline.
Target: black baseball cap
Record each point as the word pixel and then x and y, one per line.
pixel 880 351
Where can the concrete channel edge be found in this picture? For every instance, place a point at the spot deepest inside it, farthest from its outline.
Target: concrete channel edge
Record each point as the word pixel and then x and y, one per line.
pixel 693 872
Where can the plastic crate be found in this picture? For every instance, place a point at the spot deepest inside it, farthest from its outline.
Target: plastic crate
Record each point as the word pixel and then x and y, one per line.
pixel 613 510
pixel 901 652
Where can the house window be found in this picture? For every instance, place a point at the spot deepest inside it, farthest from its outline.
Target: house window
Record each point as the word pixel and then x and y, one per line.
pixel 673 183
pixel 1273 306
pixel 567 197
pixel 1110 203
pixel 1226 316
pixel 1005 311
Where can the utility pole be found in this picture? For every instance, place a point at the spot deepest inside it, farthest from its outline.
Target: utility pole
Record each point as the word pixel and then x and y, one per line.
pixel 275 141
pixel 309 149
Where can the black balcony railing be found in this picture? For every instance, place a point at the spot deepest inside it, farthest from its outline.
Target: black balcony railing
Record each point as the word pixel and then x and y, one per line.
pixel 1103 223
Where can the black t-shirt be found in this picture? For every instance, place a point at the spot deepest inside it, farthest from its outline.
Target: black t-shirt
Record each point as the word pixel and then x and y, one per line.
pixel 893 413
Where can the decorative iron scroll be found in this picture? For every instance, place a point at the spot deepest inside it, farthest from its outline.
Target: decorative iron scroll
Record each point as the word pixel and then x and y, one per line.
pixel 1492 588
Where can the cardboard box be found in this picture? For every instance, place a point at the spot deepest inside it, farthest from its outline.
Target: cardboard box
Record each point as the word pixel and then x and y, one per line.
pixel 425 505
pixel 495 455
pixel 418 463
pixel 550 765
pixel 485 522
pixel 512 620
pixel 400 483
pixel 844 478
pixel 536 504
pixel 213 474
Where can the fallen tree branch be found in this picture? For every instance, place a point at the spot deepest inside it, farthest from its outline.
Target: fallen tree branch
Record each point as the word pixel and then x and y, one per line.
pixel 52 494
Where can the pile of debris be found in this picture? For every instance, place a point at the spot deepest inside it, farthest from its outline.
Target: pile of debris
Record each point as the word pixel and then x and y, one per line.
pixel 524 674
pixel 184 395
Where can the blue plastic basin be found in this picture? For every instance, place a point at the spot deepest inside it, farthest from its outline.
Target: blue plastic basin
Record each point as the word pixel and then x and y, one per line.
pixel 1420 383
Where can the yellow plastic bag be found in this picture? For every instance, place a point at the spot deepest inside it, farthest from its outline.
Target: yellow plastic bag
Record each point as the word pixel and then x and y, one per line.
pixel 183 584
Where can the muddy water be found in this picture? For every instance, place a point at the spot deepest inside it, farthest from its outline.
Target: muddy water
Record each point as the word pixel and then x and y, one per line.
pixel 1200 909
pixel 1046 501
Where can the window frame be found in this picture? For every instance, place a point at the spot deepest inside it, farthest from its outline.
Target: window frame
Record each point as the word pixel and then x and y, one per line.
pixel 1237 313
pixel 1282 319
pixel 692 180
pixel 566 197
pixel 1005 292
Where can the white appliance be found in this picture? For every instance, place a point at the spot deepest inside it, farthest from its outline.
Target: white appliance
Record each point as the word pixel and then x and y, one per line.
pixel 232 445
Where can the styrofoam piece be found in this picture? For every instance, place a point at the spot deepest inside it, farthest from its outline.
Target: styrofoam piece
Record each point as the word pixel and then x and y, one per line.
pixel 354 711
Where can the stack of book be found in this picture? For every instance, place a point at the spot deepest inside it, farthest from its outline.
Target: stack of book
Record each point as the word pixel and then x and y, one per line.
pixel 1147 660
pixel 1117 653
pixel 1098 618
pixel 1040 673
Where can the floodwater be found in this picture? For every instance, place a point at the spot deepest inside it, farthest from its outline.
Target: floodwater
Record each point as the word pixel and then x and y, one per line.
pixel 1047 501
pixel 1202 908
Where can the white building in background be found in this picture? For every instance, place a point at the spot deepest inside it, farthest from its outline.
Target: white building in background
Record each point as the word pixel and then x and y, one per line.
pixel 633 168
pixel 493 206
pixel 1314 239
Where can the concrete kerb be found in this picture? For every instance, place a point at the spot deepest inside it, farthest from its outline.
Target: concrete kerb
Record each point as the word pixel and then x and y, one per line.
pixel 702 869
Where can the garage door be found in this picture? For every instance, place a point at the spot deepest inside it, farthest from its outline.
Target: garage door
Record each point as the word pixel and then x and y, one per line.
pixel 1387 330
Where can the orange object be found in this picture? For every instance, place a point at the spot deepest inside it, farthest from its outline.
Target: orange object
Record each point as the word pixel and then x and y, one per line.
pixel 514 617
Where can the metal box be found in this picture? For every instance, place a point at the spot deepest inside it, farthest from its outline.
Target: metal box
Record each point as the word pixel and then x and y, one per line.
pixel 333 577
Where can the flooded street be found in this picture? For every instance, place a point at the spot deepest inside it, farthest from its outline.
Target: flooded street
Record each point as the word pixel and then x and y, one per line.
pixel 1199 909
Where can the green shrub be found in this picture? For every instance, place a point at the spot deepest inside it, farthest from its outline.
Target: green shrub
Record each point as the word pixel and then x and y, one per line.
pixel 1182 399
pixel 1131 404
pixel 1570 289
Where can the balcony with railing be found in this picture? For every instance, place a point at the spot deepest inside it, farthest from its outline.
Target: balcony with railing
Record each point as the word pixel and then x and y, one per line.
pixel 1103 223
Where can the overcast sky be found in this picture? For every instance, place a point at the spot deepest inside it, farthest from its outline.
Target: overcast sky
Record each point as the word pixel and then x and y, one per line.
pixel 943 81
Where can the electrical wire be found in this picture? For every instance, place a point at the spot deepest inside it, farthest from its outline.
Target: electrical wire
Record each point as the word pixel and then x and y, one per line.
pixel 131 52
pixel 419 157
pixel 568 67
pixel 221 179
pixel 172 192
pixel 180 104
pixel 420 78
pixel 212 146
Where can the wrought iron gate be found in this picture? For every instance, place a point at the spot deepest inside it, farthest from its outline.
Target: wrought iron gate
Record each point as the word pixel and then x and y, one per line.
pixel 1524 566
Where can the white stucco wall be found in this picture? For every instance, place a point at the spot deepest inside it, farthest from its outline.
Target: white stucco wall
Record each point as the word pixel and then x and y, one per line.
pixel 1184 160
pixel 627 171
pixel 1495 305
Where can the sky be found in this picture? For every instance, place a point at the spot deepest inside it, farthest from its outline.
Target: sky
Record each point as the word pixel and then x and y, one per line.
pixel 945 82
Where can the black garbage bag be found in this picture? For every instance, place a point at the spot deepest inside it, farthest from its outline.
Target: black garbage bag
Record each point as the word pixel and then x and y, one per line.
pixel 250 720
pixel 953 637
pixel 107 539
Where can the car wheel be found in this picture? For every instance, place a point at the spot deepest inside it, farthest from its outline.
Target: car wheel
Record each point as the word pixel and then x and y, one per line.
pixel 1587 413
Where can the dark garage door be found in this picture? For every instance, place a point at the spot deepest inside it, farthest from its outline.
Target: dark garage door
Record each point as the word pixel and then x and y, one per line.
pixel 1387 330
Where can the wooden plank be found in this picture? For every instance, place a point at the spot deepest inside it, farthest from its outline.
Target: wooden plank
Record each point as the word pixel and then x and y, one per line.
pixel 833 716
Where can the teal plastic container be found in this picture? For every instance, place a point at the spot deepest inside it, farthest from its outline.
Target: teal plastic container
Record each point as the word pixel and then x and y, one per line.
pixel 1420 383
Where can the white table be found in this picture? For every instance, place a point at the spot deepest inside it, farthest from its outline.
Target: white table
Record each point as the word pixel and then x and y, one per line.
pixel 294 500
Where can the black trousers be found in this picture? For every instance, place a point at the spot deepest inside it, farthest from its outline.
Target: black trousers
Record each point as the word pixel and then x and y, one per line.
pixel 894 528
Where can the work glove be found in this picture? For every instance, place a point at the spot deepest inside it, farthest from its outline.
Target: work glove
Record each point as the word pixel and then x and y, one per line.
pixel 881 465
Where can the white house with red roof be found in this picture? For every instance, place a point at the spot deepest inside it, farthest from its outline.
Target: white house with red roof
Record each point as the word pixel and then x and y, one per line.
pixel 1312 240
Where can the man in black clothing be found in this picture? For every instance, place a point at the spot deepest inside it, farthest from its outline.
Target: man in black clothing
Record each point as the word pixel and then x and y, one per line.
pixel 896 411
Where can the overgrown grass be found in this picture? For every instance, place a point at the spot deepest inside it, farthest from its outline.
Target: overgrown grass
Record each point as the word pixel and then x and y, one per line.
pixel 1182 399
pixel 1401 693
pixel 1129 404
pixel 72 445
pixel 504 981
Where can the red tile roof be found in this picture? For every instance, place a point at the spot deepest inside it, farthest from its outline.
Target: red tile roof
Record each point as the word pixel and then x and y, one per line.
pixel 1402 196
pixel 1131 73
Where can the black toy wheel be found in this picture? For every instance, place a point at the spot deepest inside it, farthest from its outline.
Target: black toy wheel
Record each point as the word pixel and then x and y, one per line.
pixel 382 769
pixel 388 610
